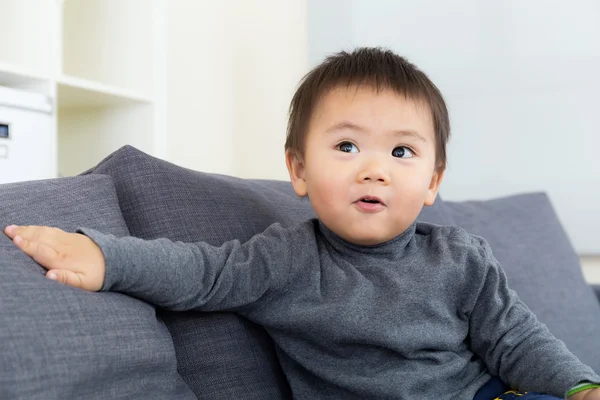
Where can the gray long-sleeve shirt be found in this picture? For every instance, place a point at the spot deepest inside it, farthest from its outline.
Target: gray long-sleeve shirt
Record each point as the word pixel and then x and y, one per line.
pixel 427 315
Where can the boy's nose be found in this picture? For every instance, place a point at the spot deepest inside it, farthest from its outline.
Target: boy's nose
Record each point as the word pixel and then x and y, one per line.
pixel 373 172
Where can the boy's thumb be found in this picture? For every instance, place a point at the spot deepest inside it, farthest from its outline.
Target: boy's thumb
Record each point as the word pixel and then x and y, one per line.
pixel 65 276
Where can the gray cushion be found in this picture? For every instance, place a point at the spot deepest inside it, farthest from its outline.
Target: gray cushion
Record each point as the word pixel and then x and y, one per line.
pixel 221 355
pixel 58 342
pixel 541 265
pixel 436 214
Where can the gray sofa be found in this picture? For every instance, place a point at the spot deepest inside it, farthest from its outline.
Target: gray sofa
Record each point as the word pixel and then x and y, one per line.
pixel 58 342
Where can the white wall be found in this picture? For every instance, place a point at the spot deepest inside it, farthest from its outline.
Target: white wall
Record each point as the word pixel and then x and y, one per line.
pixel 199 87
pixel 271 56
pixel 521 81
pixel 591 268
pixel 233 67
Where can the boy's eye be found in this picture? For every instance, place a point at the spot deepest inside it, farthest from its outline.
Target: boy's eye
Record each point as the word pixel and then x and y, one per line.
pixel 347 147
pixel 402 152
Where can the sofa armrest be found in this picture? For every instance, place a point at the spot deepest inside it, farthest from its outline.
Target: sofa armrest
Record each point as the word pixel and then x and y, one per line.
pixel 596 289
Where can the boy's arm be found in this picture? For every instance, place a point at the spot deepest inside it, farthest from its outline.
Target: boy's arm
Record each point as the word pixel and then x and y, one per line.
pixel 186 276
pixel 173 275
pixel 508 337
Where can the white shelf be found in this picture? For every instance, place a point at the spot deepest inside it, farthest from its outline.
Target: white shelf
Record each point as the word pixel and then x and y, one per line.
pixel 100 61
pixel 13 76
pixel 109 41
pixel 76 92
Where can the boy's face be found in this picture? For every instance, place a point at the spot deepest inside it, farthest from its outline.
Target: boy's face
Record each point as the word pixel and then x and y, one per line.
pixel 369 163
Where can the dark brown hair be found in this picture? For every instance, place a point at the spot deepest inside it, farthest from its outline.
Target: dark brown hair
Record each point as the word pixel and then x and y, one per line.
pixel 382 69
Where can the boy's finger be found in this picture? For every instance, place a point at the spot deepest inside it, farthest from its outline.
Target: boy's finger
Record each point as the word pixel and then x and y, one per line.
pixel 41 234
pixel 67 277
pixel 46 256
pixel 10 231
pixel 25 245
pixel 26 232
pixel 40 252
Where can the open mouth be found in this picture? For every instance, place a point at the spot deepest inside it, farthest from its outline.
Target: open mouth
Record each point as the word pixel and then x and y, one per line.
pixel 371 200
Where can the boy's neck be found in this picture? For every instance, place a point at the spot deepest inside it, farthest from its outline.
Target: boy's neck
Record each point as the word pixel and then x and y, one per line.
pixel 394 248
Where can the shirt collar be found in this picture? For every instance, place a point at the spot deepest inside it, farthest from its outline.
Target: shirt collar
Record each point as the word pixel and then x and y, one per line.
pixel 394 248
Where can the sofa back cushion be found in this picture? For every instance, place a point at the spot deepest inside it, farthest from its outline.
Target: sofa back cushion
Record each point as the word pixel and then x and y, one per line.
pixel 58 342
pixel 221 355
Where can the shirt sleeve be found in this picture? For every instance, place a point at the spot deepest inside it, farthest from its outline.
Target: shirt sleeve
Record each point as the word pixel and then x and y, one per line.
pixel 513 344
pixel 197 276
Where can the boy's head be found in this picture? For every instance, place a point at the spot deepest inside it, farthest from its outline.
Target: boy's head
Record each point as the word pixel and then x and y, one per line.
pixel 366 142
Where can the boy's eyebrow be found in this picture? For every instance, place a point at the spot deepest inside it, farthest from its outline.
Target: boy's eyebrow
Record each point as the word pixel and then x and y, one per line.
pixel 349 125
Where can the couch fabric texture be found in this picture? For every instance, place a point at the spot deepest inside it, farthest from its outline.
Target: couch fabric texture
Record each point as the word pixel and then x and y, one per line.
pixel 59 342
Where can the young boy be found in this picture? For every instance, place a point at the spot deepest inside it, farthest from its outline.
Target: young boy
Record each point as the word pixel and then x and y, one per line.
pixel 363 302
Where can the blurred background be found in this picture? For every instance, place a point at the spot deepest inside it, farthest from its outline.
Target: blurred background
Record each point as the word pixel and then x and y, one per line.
pixel 207 84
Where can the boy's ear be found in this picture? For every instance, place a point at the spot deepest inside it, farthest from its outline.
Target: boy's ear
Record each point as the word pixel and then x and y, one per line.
pixel 295 166
pixel 434 187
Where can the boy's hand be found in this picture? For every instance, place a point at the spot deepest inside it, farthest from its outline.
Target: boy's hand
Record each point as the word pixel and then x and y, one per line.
pixel 70 258
pixel 592 394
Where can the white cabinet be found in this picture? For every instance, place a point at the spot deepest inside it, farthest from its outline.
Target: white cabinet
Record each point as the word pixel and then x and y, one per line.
pixel 102 61
pixel 27 140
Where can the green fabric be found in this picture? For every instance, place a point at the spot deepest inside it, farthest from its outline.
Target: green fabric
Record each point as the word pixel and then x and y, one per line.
pixel 580 387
